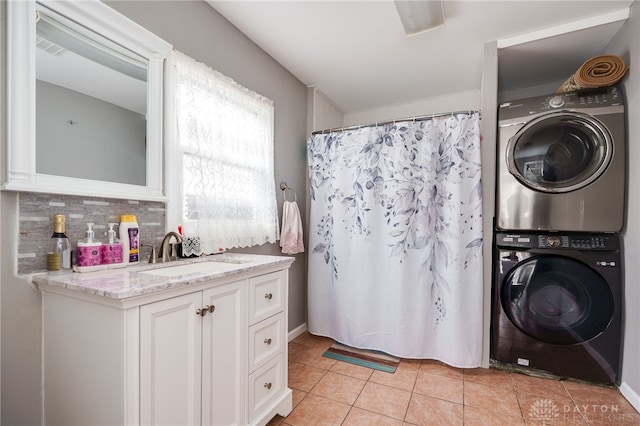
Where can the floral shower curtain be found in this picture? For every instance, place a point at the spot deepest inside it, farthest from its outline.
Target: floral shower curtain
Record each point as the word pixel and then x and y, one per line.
pixel 395 238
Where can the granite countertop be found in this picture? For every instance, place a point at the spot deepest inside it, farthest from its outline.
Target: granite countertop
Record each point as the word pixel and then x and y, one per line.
pixel 147 278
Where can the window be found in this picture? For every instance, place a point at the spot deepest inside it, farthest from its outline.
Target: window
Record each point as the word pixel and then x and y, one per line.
pixel 220 160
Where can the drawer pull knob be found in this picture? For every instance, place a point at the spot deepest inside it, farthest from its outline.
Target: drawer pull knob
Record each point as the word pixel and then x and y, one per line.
pixel 267 385
pixel 267 341
pixel 268 296
pixel 211 308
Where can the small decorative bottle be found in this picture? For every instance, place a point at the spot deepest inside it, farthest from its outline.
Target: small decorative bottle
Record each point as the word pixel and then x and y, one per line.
pixel 59 253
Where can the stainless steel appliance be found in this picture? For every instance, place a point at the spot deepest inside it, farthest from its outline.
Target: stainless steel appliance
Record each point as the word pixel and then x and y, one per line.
pixel 557 304
pixel 561 162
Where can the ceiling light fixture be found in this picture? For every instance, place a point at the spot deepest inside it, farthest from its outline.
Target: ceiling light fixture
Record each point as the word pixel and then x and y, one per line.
pixel 420 15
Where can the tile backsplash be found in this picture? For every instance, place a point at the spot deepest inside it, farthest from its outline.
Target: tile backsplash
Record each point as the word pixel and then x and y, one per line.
pixel 36 223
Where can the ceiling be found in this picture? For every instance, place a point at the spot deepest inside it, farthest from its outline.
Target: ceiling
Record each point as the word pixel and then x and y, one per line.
pixel 357 54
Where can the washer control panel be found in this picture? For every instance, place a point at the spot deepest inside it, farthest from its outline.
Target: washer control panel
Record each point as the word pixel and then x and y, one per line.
pixel 591 242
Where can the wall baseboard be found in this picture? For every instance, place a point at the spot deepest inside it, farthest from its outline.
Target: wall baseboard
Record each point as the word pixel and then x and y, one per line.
pixel 630 395
pixel 297 331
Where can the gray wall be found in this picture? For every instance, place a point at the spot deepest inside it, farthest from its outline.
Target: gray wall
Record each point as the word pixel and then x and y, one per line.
pixel 197 30
pixel 84 137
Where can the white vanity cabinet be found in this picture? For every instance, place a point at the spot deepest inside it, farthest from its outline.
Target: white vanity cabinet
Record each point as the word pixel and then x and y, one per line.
pixel 191 358
pixel 213 352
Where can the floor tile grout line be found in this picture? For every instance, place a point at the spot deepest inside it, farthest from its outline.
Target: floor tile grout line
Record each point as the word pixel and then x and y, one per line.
pixel 515 393
pixel 415 380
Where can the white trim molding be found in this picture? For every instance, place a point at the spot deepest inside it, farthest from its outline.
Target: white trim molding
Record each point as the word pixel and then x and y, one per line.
pixel 630 395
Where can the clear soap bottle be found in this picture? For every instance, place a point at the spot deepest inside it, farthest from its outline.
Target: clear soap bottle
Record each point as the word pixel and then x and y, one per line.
pixel 59 253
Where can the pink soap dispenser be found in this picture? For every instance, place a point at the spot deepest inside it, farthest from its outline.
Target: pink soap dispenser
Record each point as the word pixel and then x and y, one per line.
pixel 89 249
pixel 111 248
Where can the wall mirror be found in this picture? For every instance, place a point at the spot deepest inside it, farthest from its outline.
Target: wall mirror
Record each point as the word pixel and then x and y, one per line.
pixel 84 99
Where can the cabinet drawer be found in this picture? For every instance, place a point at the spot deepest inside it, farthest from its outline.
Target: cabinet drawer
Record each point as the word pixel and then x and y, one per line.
pixel 266 296
pixel 265 385
pixel 266 339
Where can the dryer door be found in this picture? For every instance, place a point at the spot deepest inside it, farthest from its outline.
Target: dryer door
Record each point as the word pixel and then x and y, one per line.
pixel 560 152
pixel 557 299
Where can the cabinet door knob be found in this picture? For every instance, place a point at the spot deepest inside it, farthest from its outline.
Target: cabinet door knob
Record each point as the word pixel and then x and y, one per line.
pixel 267 385
pixel 209 308
pixel 268 296
pixel 267 341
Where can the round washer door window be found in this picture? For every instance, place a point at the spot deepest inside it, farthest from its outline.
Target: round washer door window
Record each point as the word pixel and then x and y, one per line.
pixel 556 299
pixel 560 152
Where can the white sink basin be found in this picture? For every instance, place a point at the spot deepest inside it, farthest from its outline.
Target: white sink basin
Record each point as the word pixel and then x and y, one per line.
pixel 194 268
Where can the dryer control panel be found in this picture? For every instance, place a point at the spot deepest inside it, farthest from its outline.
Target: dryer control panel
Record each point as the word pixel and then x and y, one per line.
pixel 591 98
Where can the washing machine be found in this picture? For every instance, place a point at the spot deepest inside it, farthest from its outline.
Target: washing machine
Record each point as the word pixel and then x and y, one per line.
pixel 557 304
pixel 561 162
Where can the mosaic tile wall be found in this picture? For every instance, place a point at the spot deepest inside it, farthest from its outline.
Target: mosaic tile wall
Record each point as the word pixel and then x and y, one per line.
pixel 36 223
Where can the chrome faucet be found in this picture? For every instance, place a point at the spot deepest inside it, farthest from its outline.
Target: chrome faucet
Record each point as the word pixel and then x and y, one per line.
pixel 164 255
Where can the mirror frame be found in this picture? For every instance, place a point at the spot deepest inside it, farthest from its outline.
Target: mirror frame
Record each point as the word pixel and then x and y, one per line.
pixel 20 174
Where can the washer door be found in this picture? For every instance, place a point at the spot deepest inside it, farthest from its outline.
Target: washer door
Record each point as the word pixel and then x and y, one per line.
pixel 560 152
pixel 556 299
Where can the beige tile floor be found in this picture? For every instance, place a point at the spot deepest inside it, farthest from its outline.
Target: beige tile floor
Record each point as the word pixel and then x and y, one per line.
pixel 330 392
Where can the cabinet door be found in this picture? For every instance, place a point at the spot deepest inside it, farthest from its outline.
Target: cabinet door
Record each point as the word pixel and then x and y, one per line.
pixel 170 361
pixel 224 356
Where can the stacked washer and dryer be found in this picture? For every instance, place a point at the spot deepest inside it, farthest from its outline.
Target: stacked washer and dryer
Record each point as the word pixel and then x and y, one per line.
pixel 558 282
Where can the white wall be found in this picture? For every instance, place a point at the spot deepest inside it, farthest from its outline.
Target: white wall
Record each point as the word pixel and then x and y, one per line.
pixel 3 121
pixel 322 113
pixel 627 45
pixel 456 101
pixel 489 145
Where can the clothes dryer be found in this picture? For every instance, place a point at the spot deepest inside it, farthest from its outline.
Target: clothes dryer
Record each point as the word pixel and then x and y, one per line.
pixel 557 304
pixel 561 162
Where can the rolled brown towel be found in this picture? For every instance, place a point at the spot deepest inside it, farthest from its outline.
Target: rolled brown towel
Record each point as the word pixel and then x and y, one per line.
pixel 599 71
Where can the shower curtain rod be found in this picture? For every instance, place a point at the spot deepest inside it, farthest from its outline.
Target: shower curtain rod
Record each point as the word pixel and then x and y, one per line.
pixel 415 118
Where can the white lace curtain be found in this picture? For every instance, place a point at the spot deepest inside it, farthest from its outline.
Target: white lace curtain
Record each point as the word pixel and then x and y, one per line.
pixel 225 158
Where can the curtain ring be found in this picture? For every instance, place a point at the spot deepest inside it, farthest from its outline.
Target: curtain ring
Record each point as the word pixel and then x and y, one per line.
pixel 284 194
